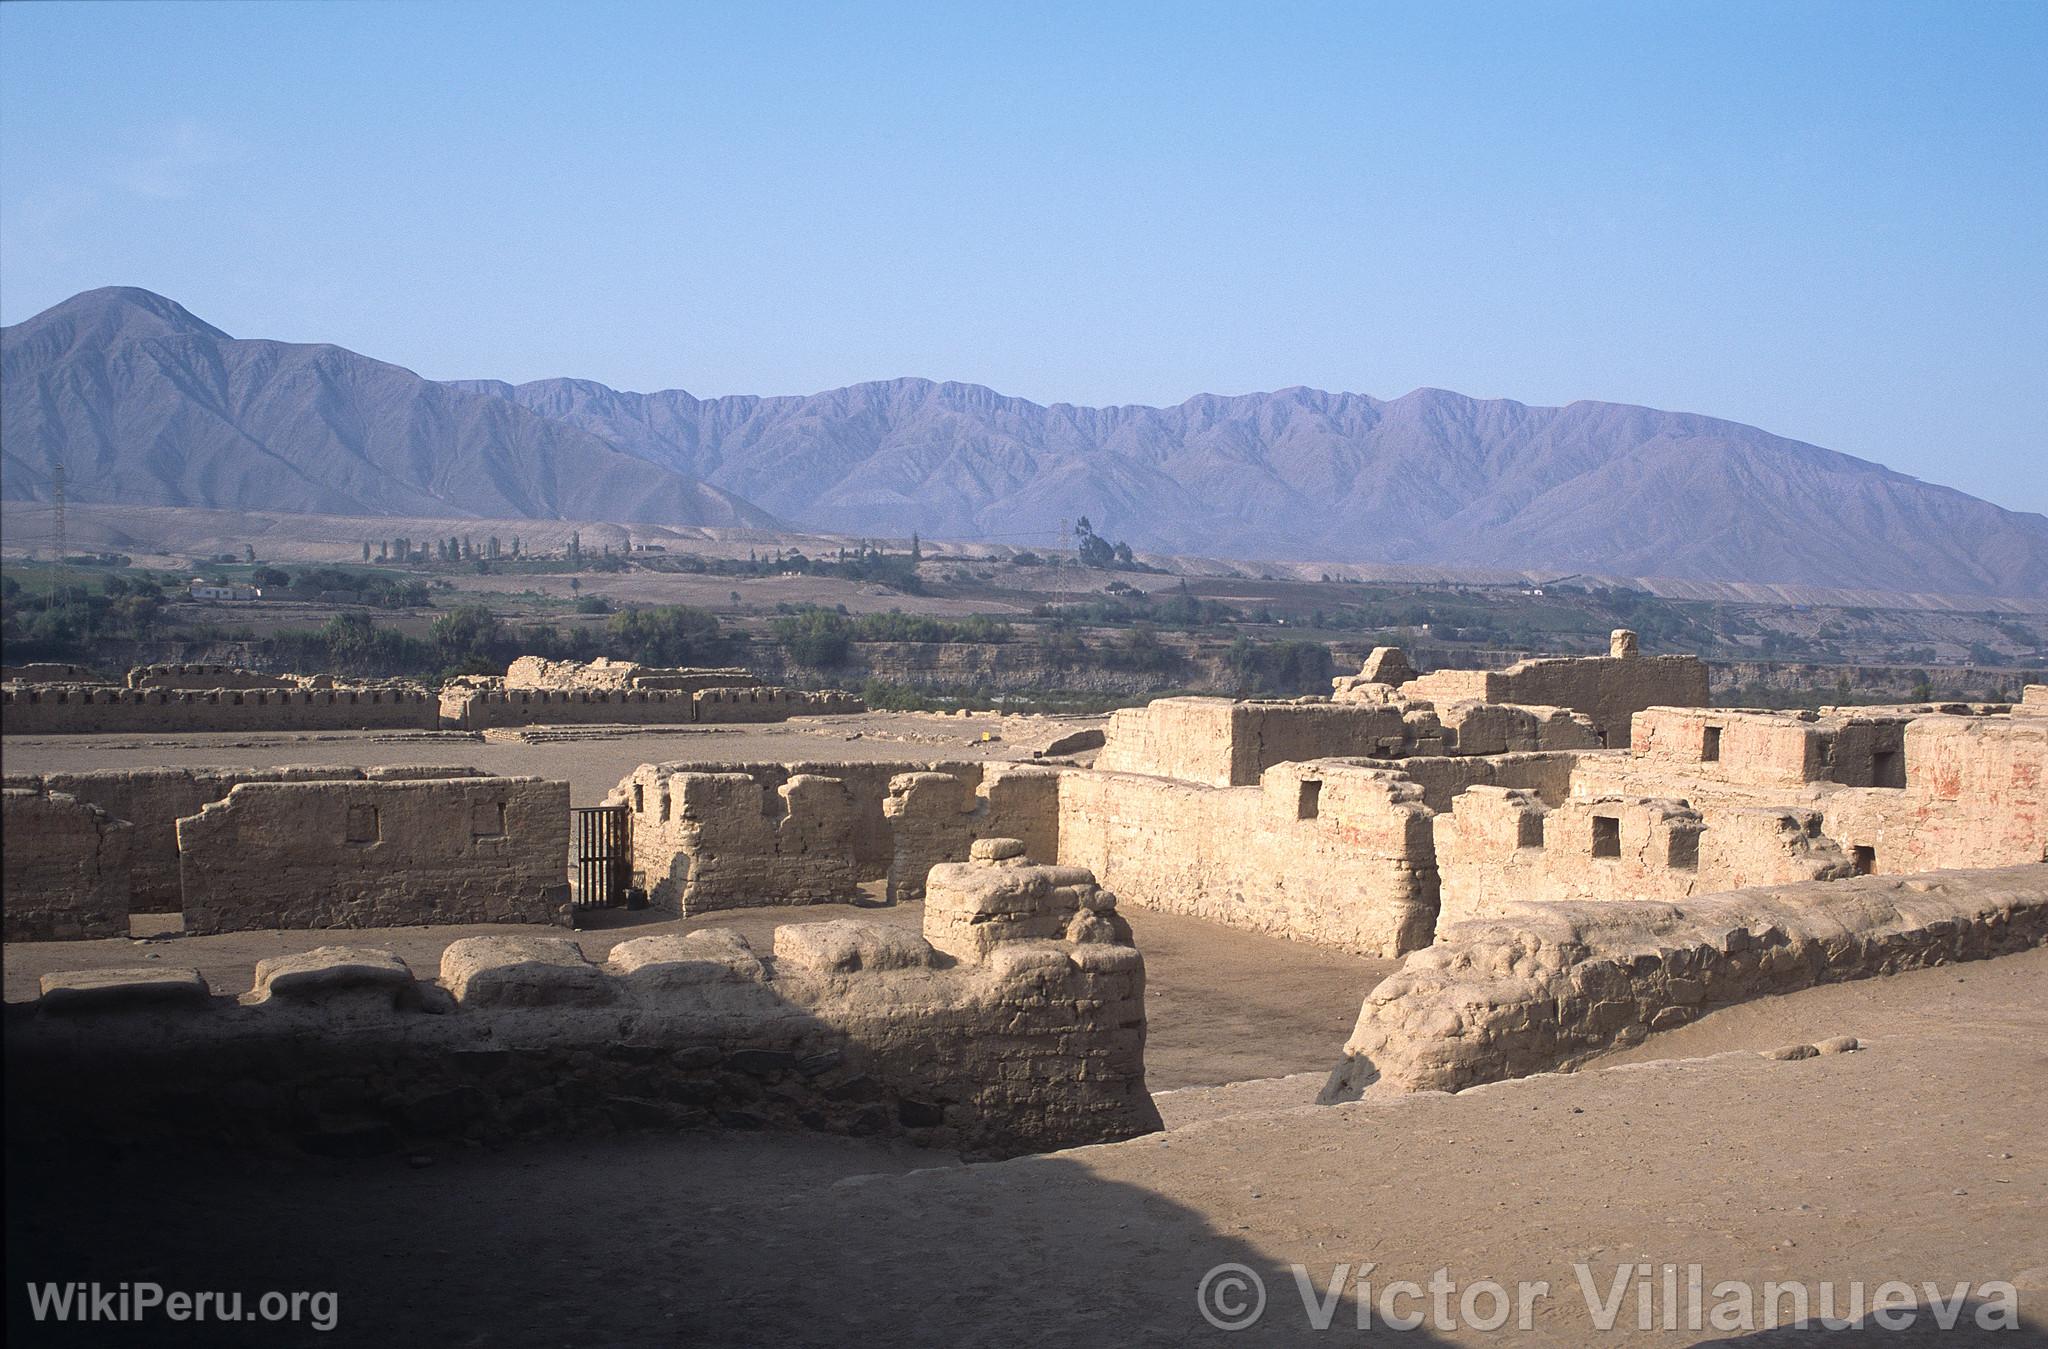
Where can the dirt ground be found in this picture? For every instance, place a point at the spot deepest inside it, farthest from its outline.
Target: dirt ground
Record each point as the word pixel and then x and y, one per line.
pixel 1920 1158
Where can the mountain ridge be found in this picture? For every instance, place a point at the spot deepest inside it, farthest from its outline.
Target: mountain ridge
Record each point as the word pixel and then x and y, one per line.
pixel 148 405
pixel 1299 473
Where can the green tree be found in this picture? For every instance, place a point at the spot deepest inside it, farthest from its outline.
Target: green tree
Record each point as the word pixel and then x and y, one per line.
pixel 815 637
pixel 668 634
pixel 467 636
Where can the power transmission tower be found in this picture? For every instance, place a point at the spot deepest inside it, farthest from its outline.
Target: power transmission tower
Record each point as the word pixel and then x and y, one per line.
pixel 1060 564
pixel 56 527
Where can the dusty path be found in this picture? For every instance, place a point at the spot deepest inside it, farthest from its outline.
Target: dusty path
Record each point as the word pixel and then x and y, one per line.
pixel 1921 1158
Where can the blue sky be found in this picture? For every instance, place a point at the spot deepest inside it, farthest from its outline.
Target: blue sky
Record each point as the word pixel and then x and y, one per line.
pixel 1829 220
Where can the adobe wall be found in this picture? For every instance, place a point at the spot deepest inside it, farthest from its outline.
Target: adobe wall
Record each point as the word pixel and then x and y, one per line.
pixel 708 841
pixel 1324 851
pixel 1219 742
pixel 473 709
pixel 1548 774
pixel 153 800
pixel 1972 793
pixel 1976 796
pixel 1036 1043
pixel 1545 987
pixel 377 854
pixel 204 677
pixel 1774 749
pixel 74 710
pixel 51 672
pixel 1608 689
pixel 65 869
pixel 1500 847
pixel 866 781
pixel 535 672
pixel 936 818
pixel 1224 743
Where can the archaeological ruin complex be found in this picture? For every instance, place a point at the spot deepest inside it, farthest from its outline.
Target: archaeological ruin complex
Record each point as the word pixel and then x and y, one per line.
pixel 155 699
pixel 1566 856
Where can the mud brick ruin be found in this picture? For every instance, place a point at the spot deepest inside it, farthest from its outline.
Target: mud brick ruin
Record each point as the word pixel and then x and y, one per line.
pixel 68 700
pixel 1567 856
pixel 547 692
pixel 311 847
pixel 1015 1024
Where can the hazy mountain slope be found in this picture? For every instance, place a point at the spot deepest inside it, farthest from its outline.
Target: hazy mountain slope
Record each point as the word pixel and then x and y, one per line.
pixel 1302 474
pixel 146 405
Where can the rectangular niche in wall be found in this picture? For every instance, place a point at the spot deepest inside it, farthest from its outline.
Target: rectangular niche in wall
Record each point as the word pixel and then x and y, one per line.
pixel 362 824
pixel 1606 836
pixel 487 820
pixel 1311 802
pixel 1685 850
pixel 1710 745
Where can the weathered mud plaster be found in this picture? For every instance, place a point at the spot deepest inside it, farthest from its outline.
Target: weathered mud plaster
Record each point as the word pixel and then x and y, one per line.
pixel 1332 851
pixel 1498 847
pixel 936 817
pixel 1036 1042
pixel 1547 986
pixel 66 868
pixel 377 854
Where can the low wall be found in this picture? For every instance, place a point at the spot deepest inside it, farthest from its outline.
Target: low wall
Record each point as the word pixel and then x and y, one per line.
pixel 935 818
pixel 1976 796
pixel 709 841
pixel 867 784
pixel 377 854
pixel 482 709
pixel 1549 986
pixel 203 677
pixel 66 869
pixel 51 672
pixel 1221 743
pixel 536 672
pixel 1546 774
pixel 59 710
pixel 155 799
pixel 1498 847
pixel 1608 689
pixel 1323 851
pixel 844 1027
pixel 1774 749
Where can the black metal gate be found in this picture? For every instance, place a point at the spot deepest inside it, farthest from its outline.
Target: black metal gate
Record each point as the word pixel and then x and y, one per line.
pixel 604 865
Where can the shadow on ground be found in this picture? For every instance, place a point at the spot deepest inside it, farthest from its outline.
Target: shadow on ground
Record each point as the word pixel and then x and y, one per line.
pixel 689 1239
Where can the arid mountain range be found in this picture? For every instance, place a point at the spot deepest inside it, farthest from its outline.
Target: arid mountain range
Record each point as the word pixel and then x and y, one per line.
pixel 148 405
pixel 144 404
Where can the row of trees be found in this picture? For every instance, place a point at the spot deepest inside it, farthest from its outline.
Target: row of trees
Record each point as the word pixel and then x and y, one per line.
pixel 70 621
pixel 473 640
pixel 821 637
pixel 454 548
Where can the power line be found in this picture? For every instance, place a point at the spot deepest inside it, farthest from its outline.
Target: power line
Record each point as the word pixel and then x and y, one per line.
pixel 56 527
